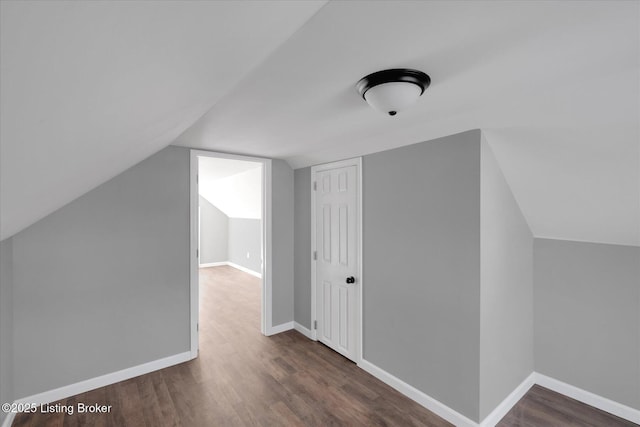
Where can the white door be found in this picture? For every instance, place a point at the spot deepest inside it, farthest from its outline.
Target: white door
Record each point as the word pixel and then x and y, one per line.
pixel 337 259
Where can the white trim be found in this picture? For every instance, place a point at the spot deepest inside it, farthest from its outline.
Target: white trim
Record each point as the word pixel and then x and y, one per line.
pixel 266 291
pixel 357 162
pixel 245 269
pixel 279 328
pixel 105 380
pixel 304 331
pixel 9 419
pixel 509 402
pixel 456 418
pixel 416 395
pixel 314 331
pixel 360 289
pixel 213 264
pixel 194 237
pixel 591 399
pixel 266 320
pixel 231 264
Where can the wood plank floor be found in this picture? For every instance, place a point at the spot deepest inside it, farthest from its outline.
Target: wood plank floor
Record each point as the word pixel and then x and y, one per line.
pixel 543 407
pixel 242 378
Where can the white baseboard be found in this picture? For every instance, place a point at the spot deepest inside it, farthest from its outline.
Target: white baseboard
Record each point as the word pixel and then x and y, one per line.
pixel 607 405
pixel 8 420
pixel 104 380
pixel 418 396
pixel 304 331
pixel 97 382
pixel 279 328
pixel 413 393
pixel 231 264
pixel 245 269
pixel 212 264
pixel 509 402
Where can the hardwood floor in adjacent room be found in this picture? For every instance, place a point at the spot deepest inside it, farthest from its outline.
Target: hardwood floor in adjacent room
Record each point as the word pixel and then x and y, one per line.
pixel 242 378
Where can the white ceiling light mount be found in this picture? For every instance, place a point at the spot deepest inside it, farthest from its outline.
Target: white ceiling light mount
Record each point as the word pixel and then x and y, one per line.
pixel 390 91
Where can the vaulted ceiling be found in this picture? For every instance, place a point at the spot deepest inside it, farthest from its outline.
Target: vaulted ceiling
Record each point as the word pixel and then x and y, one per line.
pixel 89 89
pixel 233 186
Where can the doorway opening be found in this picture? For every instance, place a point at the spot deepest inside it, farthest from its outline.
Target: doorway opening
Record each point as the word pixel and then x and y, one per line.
pixel 230 225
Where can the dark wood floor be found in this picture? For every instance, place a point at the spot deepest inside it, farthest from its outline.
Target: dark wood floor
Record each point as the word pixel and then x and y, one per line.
pixel 242 378
pixel 543 407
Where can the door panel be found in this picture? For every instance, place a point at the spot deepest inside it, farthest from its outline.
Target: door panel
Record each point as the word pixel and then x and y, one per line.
pixel 327 300
pixel 326 233
pixel 336 241
pixel 343 232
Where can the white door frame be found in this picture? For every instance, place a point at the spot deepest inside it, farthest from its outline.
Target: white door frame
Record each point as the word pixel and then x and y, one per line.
pixel 266 326
pixel 357 162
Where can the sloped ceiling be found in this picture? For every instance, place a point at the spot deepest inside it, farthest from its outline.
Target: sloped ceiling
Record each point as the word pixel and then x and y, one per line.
pixel 553 84
pixel 89 89
pixel 233 186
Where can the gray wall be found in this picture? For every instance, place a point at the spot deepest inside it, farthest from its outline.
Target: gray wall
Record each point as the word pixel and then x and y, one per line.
pixel 446 248
pixel 421 261
pixel 229 239
pixel 245 237
pixel 302 245
pixel 6 324
pixel 282 242
pixel 587 316
pixel 103 283
pixel 506 292
pixel 214 233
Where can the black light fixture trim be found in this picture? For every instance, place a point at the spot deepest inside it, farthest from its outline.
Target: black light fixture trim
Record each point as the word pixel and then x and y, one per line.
pixel 393 75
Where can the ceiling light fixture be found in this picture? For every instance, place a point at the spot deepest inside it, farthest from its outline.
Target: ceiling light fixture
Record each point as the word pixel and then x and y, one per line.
pixel 390 91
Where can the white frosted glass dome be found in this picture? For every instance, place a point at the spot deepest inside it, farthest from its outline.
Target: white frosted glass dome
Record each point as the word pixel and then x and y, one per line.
pixel 392 97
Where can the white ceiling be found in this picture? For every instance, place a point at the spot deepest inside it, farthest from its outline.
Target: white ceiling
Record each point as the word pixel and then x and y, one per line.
pixel 233 186
pixel 554 85
pixel 215 168
pixel 88 89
